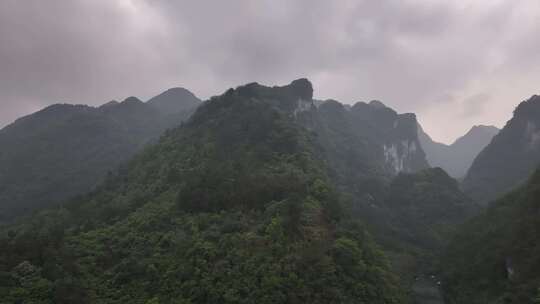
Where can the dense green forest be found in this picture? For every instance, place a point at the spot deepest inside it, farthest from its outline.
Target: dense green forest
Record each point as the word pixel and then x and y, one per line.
pixel 415 216
pixel 495 258
pixel 234 206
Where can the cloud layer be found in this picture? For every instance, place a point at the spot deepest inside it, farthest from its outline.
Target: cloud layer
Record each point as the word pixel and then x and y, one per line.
pixel 454 63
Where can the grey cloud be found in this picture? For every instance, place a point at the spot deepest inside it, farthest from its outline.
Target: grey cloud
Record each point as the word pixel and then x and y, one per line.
pixel 76 51
pixel 416 55
pixel 475 105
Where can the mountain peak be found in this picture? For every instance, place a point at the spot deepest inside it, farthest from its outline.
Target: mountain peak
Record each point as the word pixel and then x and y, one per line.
pixel 297 89
pixel 377 104
pixel 529 108
pixel 478 132
pixel 485 127
pixel 303 88
pixel 174 100
pixel 132 99
pixel 177 91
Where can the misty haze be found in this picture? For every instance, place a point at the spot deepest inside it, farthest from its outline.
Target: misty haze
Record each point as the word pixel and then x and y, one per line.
pixel 381 152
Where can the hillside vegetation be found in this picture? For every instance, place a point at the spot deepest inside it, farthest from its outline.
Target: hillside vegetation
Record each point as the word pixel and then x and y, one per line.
pixel 495 258
pixel 233 207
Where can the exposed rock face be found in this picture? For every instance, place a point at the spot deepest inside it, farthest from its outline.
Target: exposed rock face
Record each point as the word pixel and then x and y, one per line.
pixel 302 88
pixel 511 156
pixel 400 156
pixel 532 135
pixel 457 158
pixel 303 105
pixel 387 142
pixel 395 134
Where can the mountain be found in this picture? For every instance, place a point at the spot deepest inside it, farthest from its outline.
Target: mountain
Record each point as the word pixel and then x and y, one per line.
pixel 234 206
pixel 370 150
pixel 376 162
pixel 174 100
pixel 511 156
pixel 457 158
pixel 366 140
pixel 495 258
pixel 65 150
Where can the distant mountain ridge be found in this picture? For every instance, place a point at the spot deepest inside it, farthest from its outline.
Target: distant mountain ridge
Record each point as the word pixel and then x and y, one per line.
pixel 65 150
pixel 457 157
pixel 510 158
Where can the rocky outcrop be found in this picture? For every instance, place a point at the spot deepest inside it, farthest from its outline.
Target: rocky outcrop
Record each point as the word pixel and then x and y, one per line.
pixel 395 134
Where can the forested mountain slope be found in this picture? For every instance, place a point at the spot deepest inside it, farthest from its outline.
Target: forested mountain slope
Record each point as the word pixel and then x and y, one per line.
pixel 355 142
pixel 235 206
pixel 495 258
pixel 64 150
pixel 412 211
pixel 510 158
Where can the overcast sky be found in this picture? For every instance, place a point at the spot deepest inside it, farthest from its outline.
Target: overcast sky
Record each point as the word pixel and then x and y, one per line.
pixel 453 63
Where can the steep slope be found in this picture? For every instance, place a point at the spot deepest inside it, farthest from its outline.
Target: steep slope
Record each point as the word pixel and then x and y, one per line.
pixel 232 207
pixel 365 141
pixel 412 214
pixel 510 158
pixel 496 257
pixel 457 158
pixel 426 208
pixel 357 142
pixel 370 149
pixel 64 150
pixel 395 133
pixel 413 218
pixel 418 216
